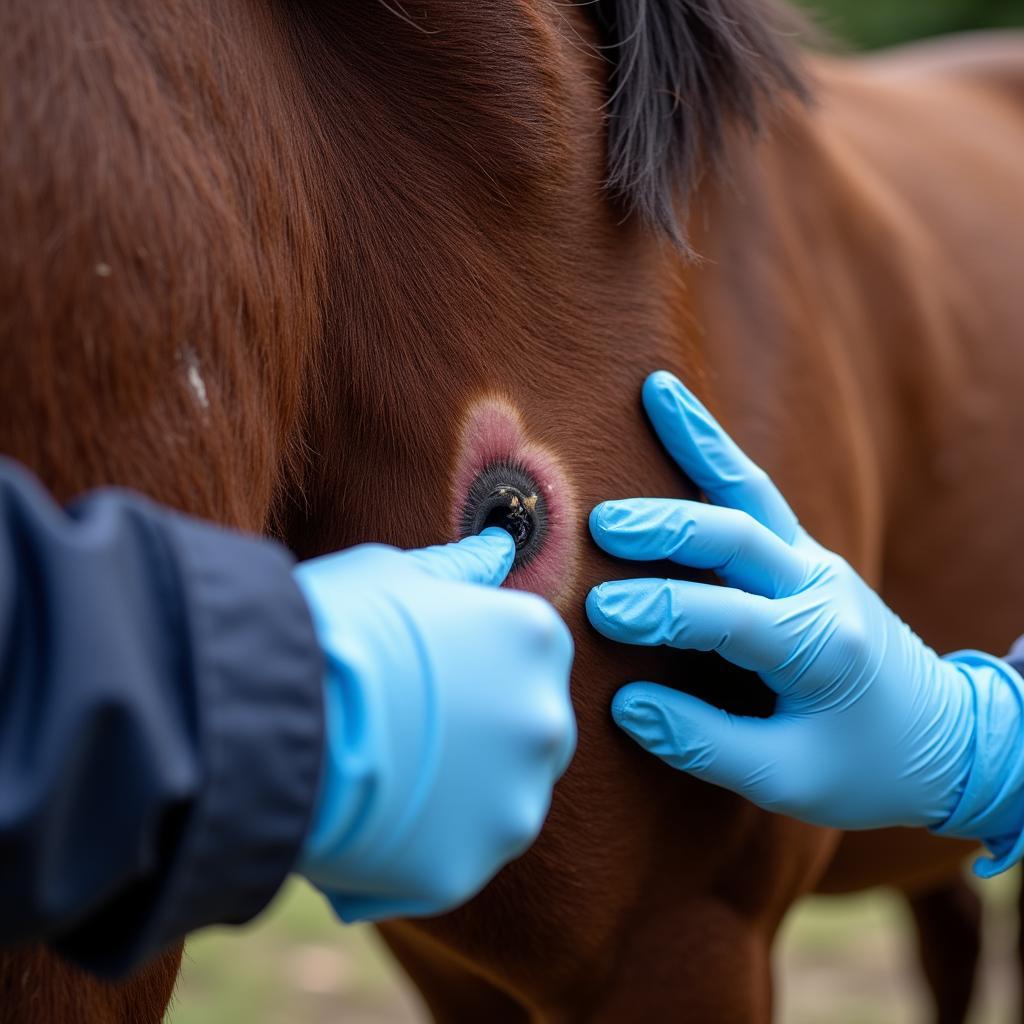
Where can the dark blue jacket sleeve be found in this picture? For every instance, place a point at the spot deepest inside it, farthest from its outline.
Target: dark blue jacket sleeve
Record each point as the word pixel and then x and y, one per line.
pixel 160 723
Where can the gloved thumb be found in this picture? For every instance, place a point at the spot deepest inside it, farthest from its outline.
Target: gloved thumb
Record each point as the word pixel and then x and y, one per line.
pixel 484 558
pixel 695 737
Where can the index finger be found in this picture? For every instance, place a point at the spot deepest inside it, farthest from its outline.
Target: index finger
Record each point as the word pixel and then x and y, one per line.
pixel 484 558
pixel 710 457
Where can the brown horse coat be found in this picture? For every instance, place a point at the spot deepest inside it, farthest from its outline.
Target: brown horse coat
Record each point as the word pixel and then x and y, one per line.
pixel 350 227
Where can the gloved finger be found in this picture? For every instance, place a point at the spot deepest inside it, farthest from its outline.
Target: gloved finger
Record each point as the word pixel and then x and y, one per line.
pixel 711 459
pixel 484 558
pixel 694 616
pixel 738 753
pixel 557 742
pixel 567 750
pixel 744 553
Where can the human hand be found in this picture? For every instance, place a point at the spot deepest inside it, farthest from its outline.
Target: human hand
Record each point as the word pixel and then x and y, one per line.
pixel 871 727
pixel 448 721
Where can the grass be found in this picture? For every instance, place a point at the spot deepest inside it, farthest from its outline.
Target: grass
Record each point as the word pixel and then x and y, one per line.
pixel 294 964
pixel 851 960
pixel 844 961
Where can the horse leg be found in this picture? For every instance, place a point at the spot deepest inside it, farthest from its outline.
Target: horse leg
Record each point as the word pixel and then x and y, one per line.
pixel 703 963
pixel 948 925
pixel 451 991
pixel 947 914
pixel 718 973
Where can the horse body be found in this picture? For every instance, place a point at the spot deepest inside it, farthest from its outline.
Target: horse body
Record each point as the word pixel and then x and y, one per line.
pixel 891 378
pixel 864 264
pixel 542 298
pixel 855 324
pixel 353 245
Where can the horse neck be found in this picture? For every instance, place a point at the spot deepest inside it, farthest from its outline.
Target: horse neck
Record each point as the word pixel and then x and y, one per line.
pixel 828 348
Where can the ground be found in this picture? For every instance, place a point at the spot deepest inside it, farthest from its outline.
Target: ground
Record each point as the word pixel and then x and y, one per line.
pixel 845 961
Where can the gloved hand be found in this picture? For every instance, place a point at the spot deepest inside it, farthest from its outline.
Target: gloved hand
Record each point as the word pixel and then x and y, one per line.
pixel 871 727
pixel 447 723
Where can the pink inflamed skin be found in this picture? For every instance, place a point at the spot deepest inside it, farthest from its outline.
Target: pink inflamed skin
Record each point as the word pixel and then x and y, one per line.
pixel 493 434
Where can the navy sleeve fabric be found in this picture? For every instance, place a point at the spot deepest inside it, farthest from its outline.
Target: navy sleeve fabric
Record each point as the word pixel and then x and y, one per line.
pixel 161 723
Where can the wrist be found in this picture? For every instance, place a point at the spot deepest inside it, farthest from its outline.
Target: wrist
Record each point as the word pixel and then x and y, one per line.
pixel 378 736
pixel 990 806
pixel 342 791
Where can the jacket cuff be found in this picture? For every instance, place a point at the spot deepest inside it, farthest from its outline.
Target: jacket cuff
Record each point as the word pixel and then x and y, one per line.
pixel 258 679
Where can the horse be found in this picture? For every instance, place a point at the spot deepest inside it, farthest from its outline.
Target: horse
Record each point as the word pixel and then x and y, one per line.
pixel 316 270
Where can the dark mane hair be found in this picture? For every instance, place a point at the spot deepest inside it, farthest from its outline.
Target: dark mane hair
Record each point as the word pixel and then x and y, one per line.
pixel 683 72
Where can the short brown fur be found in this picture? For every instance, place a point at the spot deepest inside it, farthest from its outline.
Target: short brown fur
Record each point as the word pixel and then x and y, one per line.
pixel 350 224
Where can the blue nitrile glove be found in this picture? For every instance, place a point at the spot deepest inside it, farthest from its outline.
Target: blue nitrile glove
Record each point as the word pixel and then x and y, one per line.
pixel 448 722
pixel 871 727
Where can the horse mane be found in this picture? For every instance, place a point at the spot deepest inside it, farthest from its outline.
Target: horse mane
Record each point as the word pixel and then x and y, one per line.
pixel 683 73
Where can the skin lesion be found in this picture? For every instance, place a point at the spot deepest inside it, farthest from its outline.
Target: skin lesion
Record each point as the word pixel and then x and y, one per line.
pixel 495 452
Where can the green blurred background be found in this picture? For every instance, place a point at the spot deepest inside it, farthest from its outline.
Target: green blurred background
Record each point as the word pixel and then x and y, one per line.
pixel 841 961
pixel 872 23
pixel 838 961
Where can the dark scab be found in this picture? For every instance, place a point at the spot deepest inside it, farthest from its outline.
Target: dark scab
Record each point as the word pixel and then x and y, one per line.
pixel 509 509
pixel 505 495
